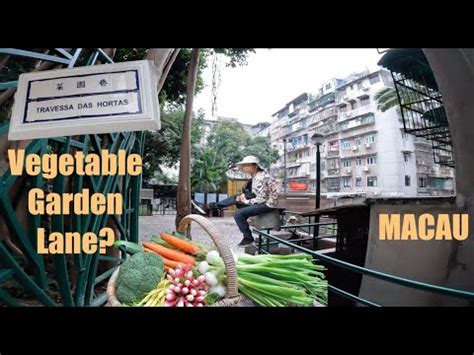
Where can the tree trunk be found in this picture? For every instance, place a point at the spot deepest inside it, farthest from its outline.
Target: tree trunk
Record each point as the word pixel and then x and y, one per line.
pixel 183 199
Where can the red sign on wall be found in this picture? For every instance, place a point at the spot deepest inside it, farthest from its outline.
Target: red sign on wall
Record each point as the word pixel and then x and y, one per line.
pixel 298 186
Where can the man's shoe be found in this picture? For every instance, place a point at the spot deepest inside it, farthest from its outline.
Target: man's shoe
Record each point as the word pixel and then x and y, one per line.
pixel 246 241
pixel 203 209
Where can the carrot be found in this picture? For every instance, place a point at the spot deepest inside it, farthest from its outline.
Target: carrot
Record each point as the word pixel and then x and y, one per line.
pixel 181 244
pixel 171 263
pixel 168 263
pixel 169 253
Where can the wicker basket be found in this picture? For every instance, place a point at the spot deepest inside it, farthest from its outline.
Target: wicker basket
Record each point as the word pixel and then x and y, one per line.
pixel 233 298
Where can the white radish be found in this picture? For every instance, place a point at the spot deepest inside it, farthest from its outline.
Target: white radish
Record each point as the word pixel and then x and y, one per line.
pixel 211 278
pixel 170 296
pixel 203 267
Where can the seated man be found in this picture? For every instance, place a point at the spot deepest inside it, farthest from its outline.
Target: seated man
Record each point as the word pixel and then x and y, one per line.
pixel 259 196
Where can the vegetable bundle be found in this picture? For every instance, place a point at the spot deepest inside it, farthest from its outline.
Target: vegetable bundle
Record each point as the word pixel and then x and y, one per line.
pixel 194 275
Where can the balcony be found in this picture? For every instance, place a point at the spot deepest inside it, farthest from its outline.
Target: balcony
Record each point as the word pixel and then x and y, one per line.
pixel 333 172
pixel 332 153
pixel 294 113
pixel 299 175
pixel 357 122
pixel 360 111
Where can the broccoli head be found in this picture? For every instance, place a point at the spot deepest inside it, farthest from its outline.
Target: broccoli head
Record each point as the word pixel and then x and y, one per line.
pixel 138 275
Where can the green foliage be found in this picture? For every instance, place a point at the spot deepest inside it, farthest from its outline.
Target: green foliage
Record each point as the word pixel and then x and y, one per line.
pixel 162 147
pixel 261 148
pixel 231 140
pixel 209 167
pixel 387 99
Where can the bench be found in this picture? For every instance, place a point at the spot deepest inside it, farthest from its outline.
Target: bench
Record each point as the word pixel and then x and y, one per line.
pixel 270 220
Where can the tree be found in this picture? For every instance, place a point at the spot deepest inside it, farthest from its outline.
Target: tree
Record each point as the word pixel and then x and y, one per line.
pixel 387 99
pixel 261 148
pixel 173 92
pixel 229 138
pixel 209 167
pixel 233 142
pixel 183 200
pixel 163 147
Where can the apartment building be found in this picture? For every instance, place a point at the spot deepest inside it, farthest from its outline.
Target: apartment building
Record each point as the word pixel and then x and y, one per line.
pixel 365 150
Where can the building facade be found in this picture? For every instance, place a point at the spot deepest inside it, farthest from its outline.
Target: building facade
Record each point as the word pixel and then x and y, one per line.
pixel 365 151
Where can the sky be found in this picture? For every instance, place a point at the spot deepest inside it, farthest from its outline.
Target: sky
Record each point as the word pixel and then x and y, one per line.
pixel 272 78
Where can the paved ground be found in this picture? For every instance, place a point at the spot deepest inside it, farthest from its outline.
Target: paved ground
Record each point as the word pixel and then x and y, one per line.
pixel 153 225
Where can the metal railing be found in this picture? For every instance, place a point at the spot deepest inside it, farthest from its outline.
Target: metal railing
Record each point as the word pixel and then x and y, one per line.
pixel 359 269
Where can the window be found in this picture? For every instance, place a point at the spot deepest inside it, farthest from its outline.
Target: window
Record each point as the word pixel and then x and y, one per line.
pixel 328 86
pixel 346 163
pixel 353 105
pixel 372 181
pixel 370 139
pixel 407 180
pixel 358 182
pixel 374 78
pixel 406 157
pixel 359 85
pixel 343 108
pixel 305 139
pixel 346 144
pixel 404 136
pixel 346 182
pixel 371 160
pixel 357 141
pixel 422 182
pixel 352 87
pixel 364 101
pixel 332 164
pixel 358 161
